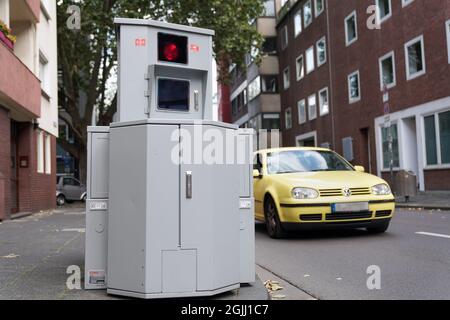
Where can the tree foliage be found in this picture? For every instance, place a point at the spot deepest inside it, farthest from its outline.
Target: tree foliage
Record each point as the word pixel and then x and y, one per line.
pixel 87 57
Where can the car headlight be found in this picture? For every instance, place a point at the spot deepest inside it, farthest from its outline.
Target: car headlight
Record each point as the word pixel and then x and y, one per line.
pixel 381 190
pixel 304 193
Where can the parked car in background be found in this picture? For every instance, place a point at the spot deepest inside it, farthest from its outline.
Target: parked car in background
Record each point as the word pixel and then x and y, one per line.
pixel 69 189
pixel 315 188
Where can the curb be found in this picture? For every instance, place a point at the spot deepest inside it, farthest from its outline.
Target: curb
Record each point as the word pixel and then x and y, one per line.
pixel 420 206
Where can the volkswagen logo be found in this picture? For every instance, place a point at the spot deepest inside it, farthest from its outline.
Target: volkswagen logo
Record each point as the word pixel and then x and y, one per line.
pixel 347 192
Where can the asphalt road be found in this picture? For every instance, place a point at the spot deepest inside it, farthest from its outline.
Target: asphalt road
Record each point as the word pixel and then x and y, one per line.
pixel 333 264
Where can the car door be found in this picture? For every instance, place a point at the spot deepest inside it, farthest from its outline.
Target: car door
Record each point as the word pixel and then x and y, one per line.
pixel 258 187
pixel 72 188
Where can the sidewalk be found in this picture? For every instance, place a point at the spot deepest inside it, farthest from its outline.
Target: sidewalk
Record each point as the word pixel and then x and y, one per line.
pixel 35 252
pixel 432 200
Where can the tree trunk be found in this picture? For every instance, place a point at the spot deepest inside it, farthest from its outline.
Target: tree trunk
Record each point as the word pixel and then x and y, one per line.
pixel 82 164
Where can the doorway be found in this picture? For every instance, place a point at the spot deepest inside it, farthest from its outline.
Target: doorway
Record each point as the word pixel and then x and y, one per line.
pixel 307 140
pixel 14 177
pixel 410 145
pixel 365 149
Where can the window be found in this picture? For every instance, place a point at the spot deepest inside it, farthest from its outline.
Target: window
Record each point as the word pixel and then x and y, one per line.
pixel 288 118
pixel 447 27
pixel 286 78
pixel 298 23
pixel 415 58
pixel 284 38
pixel 430 140
pixel 270 45
pixel 384 10
pixel 312 107
pixel 437 138
pixel 319 6
pixel 269 84
pixel 321 50
pixel 43 72
pixel 48 154
pixel 387 70
pixel 351 29
pixel 300 68
pixel 269 8
pixel 354 88
pixel 385 139
pixel 310 65
pixel 324 107
pixel 254 88
pixel 307 13
pixel 301 106
pixel 40 152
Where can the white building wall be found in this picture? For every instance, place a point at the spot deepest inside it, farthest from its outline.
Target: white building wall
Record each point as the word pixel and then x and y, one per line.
pixel 47 44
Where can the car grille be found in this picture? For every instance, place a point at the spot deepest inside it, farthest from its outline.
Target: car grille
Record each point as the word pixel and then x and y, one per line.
pixel 311 217
pixel 349 215
pixel 339 193
pixel 381 214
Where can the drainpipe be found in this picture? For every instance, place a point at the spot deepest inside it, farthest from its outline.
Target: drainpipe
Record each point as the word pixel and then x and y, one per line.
pixel 331 87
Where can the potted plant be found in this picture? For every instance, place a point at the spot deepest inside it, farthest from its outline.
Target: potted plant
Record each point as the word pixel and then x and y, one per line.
pixel 6 36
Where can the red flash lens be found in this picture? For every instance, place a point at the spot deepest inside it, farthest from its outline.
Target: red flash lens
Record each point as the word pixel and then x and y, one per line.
pixel 171 52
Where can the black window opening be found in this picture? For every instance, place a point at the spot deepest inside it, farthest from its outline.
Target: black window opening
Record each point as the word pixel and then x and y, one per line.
pixel 172 48
pixel 173 94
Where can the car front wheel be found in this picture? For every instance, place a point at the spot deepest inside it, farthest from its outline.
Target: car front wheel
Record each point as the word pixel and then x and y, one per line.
pixel 60 200
pixel 273 223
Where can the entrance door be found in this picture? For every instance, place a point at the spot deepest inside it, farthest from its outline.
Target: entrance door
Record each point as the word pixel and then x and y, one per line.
pixel 410 145
pixel 209 201
pixel 365 151
pixel 14 169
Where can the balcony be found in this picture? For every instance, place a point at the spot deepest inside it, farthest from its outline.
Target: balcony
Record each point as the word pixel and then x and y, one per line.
pixel 20 89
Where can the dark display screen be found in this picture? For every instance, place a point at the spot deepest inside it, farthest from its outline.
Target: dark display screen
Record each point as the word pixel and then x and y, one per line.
pixel 173 94
pixel 172 48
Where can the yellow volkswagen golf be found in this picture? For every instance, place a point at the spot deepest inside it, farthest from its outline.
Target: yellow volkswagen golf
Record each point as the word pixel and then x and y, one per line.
pixel 315 188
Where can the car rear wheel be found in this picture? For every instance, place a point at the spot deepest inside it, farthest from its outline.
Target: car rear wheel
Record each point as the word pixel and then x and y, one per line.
pixel 60 200
pixel 273 223
pixel 380 229
pixel 84 198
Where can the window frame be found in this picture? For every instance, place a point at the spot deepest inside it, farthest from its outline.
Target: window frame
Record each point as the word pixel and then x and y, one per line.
pixel 317 12
pixel 391 55
pixel 297 65
pixel 438 145
pixel 351 15
pixel 386 17
pixel 320 101
pixel 299 13
pixel 350 99
pixel 302 102
pixel 406 3
pixel 310 116
pixel 324 40
pixel 447 29
pixel 48 154
pixel 408 44
pixel 285 38
pixel 286 118
pixel 286 80
pixel 40 160
pixel 313 60
pixel 312 14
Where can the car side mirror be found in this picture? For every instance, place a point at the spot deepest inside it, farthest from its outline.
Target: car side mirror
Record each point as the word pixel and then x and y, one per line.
pixel 360 169
pixel 257 174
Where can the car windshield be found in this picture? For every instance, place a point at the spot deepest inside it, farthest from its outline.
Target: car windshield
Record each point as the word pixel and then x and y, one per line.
pixel 305 161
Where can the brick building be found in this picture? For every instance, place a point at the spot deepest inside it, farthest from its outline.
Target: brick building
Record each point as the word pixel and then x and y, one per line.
pixel 28 107
pixel 334 65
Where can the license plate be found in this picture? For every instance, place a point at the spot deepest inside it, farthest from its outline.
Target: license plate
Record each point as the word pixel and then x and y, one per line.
pixel 350 207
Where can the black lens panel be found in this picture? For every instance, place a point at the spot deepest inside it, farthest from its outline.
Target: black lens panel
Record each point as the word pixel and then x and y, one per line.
pixel 172 48
pixel 173 94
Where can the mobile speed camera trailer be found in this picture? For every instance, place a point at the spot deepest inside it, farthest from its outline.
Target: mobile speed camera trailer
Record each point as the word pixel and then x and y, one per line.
pixel 155 227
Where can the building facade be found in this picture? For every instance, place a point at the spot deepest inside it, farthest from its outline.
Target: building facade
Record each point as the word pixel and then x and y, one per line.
pixel 254 92
pixel 28 106
pixel 352 70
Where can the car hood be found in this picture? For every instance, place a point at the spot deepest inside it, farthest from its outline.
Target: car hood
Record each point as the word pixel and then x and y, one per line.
pixel 330 179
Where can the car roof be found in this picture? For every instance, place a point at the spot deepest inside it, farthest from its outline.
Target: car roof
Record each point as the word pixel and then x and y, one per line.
pixel 292 149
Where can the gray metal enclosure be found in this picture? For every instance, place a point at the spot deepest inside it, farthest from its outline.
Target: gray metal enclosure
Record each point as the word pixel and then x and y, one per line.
pixel 161 221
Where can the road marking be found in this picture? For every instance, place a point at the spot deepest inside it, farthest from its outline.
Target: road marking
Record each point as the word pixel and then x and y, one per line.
pixel 80 230
pixel 433 235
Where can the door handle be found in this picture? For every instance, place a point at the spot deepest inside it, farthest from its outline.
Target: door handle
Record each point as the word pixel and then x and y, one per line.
pixel 189 185
pixel 196 100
